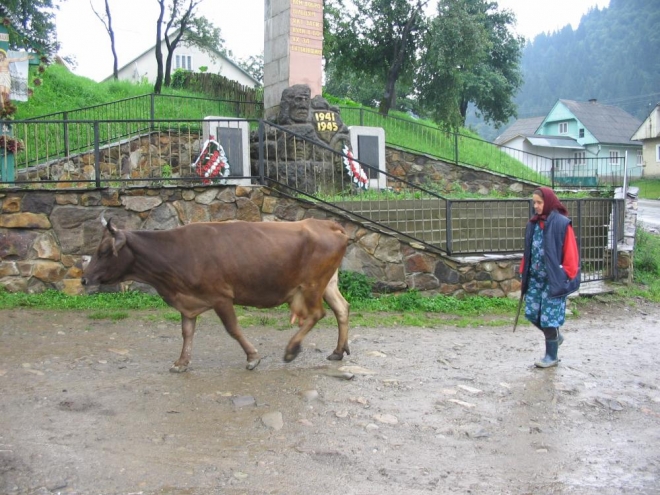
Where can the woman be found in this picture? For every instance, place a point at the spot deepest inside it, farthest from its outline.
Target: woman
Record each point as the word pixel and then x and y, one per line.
pixel 550 269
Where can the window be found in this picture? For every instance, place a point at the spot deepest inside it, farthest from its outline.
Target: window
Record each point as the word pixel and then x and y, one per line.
pixel 579 158
pixel 183 62
pixel 563 128
pixel 640 157
pixel 581 133
pixel 657 153
pixel 614 157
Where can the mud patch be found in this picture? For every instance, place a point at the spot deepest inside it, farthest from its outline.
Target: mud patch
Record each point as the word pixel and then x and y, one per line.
pixel 90 407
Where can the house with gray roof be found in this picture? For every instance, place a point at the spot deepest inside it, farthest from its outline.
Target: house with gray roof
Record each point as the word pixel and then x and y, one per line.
pixel 577 139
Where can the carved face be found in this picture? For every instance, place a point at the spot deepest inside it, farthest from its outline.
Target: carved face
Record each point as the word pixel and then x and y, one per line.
pixel 295 104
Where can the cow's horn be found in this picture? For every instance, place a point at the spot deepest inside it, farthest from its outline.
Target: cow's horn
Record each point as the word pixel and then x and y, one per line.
pixel 103 220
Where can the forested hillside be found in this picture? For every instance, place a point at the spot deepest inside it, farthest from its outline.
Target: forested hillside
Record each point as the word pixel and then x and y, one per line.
pixel 613 56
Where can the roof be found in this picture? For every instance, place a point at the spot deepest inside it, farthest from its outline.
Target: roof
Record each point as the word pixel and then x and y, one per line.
pixel 650 128
pixel 521 127
pixel 555 142
pixel 608 124
pixel 217 53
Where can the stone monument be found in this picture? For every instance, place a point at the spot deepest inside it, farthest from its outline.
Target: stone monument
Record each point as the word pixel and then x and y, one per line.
pixel 311 164
pixel 293 48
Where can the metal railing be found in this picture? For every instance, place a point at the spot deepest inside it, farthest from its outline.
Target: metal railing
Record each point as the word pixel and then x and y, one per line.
pixel 453 147
pixel 159 152
pixel 102 153
pixel 315 172
pixel 462 149
pixel 130 116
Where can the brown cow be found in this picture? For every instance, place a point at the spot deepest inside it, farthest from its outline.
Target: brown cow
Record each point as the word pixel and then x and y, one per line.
pixel 204 266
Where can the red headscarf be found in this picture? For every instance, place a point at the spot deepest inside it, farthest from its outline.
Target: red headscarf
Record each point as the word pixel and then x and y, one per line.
pixel 550 202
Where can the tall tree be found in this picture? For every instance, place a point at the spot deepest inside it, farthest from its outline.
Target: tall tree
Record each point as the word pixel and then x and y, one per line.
pixel 470 55
pixel 375 39
pixel 182 26
pixel 106 20
pixel 32 25
pixel 158 85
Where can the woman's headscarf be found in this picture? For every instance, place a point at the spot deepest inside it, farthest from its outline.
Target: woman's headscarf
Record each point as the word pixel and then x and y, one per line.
pixel 550 203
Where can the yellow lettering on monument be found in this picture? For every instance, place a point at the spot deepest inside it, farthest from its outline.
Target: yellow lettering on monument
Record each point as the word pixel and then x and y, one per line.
pixel 314 24
pixel 304 13
pixel 307 4
pixel 306 49
pixel 307 32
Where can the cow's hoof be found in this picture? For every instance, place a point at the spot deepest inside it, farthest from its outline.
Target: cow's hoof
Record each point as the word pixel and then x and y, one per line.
pixel 335 356
pixel 178 368
pixel 291 354
pixel 253 364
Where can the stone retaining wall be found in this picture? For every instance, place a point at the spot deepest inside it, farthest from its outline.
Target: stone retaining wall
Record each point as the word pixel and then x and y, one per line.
pixel 45 234
pixel 423 170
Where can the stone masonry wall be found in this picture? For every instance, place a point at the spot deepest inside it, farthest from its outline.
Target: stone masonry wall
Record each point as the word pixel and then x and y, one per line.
pixel 45 234
pixel 423 169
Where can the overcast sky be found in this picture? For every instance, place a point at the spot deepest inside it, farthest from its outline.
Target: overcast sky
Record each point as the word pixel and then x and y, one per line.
pixel 242 25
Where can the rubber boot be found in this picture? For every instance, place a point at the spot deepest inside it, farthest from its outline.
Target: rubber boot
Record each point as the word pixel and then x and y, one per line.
pixel 550 358
pixel 560 337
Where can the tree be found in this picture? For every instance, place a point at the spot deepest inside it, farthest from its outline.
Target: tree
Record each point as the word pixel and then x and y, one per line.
pixel 253 65
pixel 32 25
pixel 376 40
pixel 158 85
pixel 106 20
pixel 183 27
pixel 470 56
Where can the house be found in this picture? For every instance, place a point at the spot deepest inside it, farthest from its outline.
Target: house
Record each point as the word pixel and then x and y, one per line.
pixel 577 140
pixel 186 57
pixel 649 134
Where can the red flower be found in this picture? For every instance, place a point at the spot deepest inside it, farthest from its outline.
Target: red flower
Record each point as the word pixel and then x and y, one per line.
pixel 11 144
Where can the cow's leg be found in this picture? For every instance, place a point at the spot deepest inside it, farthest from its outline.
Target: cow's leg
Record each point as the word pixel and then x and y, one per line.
pixel 228 316
pixel 188 332
pixel 340 308
pixel 309 309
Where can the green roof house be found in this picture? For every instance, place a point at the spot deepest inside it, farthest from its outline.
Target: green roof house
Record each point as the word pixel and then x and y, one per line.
pixel 577 140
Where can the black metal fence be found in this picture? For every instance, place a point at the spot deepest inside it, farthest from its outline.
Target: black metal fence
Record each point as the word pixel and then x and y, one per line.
pixel 160 152
pixel 315 172
pixel 453 147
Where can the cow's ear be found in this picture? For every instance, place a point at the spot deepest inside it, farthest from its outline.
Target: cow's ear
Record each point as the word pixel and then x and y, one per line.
pixel 118 241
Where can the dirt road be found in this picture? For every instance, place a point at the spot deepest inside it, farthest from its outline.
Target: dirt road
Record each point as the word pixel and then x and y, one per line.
pixel 89 407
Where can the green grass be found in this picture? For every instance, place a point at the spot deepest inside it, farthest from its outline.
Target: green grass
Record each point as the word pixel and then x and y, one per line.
pixel 64 91
pixel 52 299
pixel 648 188
pixel 646 264
pixel 408 309
pixel 108 315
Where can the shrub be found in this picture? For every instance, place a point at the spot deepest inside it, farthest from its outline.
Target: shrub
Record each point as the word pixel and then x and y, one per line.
pixel 355 286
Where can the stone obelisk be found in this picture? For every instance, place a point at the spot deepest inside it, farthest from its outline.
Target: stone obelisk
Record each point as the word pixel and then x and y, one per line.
pixel 293 48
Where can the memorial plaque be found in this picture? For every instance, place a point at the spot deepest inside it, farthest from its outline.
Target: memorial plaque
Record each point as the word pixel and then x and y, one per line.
pixel 370 154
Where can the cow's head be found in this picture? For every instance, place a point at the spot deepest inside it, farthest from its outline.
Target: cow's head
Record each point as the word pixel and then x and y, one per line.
pixel 112 257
